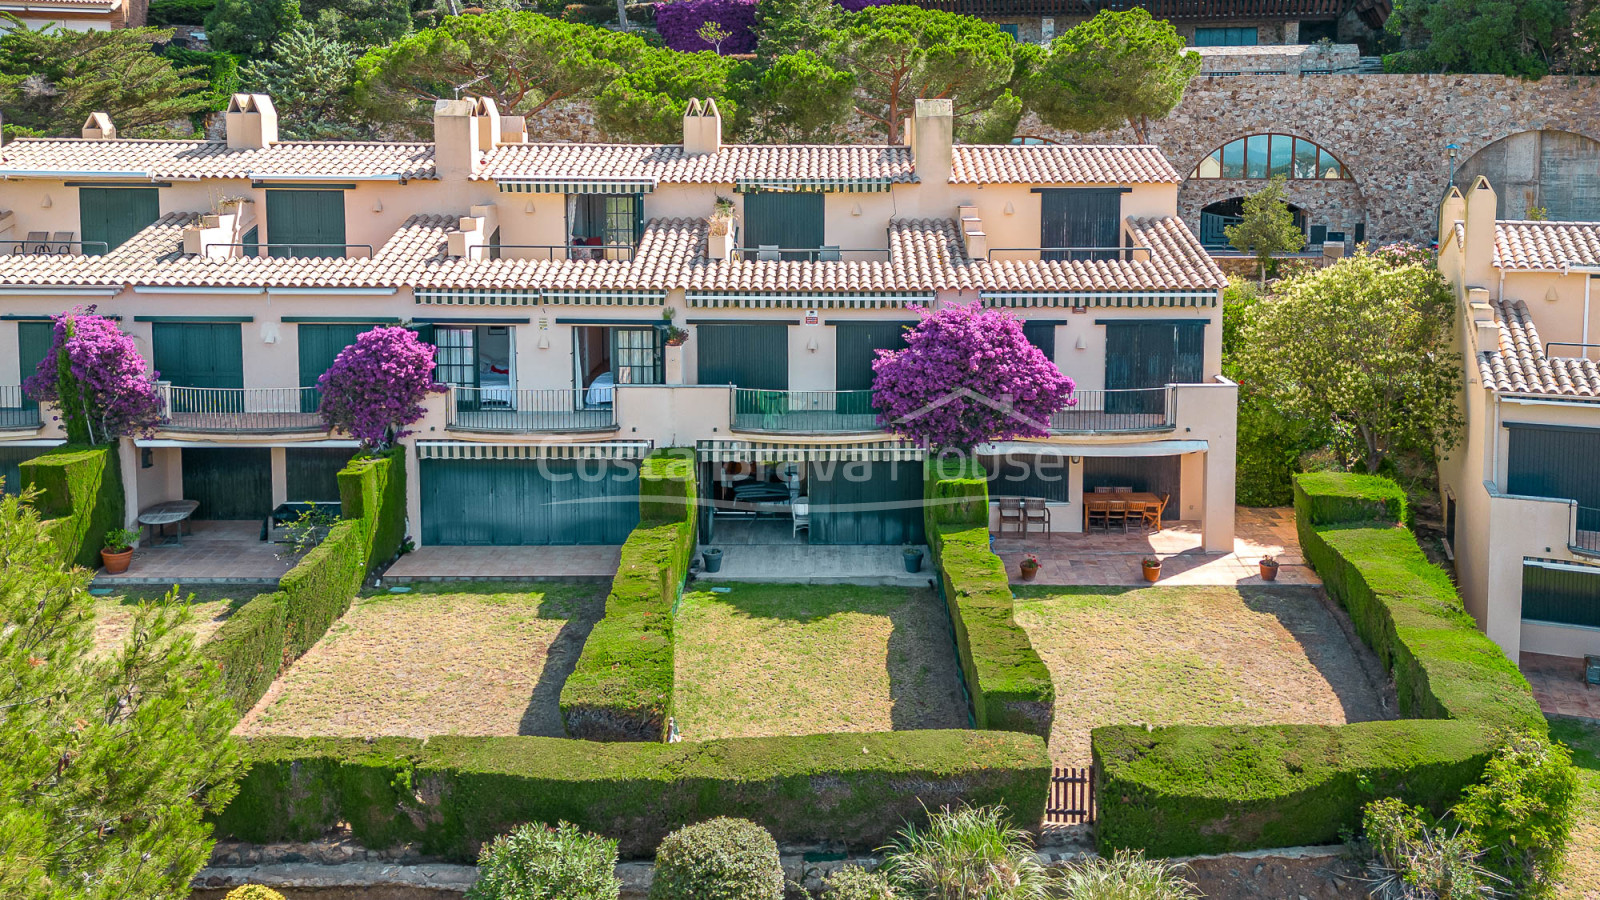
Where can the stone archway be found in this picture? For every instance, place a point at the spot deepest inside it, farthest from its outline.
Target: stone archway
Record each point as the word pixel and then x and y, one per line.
pixel 1557 171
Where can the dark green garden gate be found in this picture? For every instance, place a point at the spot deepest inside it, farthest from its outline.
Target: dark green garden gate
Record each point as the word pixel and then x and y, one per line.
pixel 865 502
pixel 229 483
pixel 312 473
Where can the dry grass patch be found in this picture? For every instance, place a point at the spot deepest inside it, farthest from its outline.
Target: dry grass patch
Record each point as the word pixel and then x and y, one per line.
pixel 767 660
pixel 211 605
pixel 1193 656
pixel 469 659
pixel 1582 876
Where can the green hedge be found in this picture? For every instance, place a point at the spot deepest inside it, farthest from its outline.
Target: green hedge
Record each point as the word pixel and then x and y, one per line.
pixel 267 634
pixel 81 494
pixel 449 794
pixel 1186 790
pixel 1011 688
pixel 621 689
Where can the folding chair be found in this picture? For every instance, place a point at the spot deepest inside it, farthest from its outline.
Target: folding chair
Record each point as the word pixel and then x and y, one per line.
pixel 37 242
pixel 768 253
pixel 1153 513
pixel 63 244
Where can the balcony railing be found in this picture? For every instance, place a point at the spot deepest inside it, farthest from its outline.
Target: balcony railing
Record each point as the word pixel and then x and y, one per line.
pixel 1587 539
pixel 552 252
pixel 1067 254
pixel 803 412
pixel 1135 409
pixel 242 409
pixel 291 251
pixel 41 245
pixel 16 410
pixel 775 253
pixel 505 410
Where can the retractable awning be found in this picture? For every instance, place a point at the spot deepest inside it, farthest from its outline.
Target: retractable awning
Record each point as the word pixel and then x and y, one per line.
pixel 803 300
pixel 770 452
pixel 557 185
pixel 534 297
pixel 1100 299
pixel 1143 448
pixel 589 450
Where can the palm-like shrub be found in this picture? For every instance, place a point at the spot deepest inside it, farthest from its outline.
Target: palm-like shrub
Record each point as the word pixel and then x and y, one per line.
pixel 534 862
pixel 856 883
pixel 968 853
pixel 1125 876
pixel 721 859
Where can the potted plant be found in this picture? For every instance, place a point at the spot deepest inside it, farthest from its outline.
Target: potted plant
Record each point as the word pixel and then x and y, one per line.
pixel 1152 568
pixel 712 559
pixel 671 334
pixel 721 220
pixel 913 558
pixel 1269 568
pixel 1030 567
pixel 118 551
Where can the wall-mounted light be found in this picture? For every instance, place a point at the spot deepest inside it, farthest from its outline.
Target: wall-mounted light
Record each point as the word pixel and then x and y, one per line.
pixel 46 203
pixel 1077 460
pixel 529 208
pixel 377 205
pixel 1010 210
pixel 1551 295
pixel 855 210
pixel 1081 344
pixel 146 458
pixel 811 344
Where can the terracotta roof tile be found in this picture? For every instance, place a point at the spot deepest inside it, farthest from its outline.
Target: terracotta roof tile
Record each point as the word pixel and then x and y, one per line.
pixel 1546 245
pixel 213 159
pixel 668 163
pixel 1521 366
pixel 1061 164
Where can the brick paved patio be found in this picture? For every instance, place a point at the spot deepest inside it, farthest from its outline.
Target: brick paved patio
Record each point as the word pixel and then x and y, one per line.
pixel 1096 558
pixel 216 553
pixel 1558 685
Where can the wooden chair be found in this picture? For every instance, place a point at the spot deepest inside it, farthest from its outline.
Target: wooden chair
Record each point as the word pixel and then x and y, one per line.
pixel 1094 514
pixel 1153 511
pixel 1103 489
pixel 1034 511
pixel 1011 511
pixel 1122 489
pixel 1117 514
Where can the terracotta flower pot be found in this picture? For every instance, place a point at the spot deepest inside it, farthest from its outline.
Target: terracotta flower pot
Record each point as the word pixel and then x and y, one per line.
pixel 1269 571
pixel 1029 572
pixel 114 562
pixel 1151 573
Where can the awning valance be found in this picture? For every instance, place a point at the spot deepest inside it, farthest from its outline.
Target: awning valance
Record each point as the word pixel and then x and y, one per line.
pixel 1100 299
pixel 1142 448
pixel 534 297
pixel 803 300
pixel 772 452
pixel 472 450
pixel 576 185
pixel 605 298
pixel 825 185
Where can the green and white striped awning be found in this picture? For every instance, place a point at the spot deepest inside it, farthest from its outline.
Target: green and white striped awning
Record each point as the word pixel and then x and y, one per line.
pixel 764 452
pixel 824 185
pixel 534 297
pixel 576 185
pixel 471 450
pixel 1097 299
pixel 786 300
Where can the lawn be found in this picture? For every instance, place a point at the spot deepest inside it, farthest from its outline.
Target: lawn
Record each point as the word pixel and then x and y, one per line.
pixel 1582 878
pixel 766 660
pixel 211 606
pixel 1193 656
pixel 469 659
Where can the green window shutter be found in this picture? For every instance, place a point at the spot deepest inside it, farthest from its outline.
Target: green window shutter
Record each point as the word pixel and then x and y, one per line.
pixel 886 508
pixel 33 343
pixel 1566 595
pixel 320 345
pixel 252 242
pixel 1080 217
pixel 1541 461
pixel 113 215
pixel 527 502
pixel 314 219
pixel 312 473
pixel 858 345
pixel 1042 334
pixel 792 220
pixel 747 356
pixel 199 354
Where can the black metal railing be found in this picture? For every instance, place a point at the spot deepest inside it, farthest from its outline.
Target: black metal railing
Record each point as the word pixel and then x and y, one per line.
pixel 507 410
pixel 775 253
pixel 1066 254
pixel 552 252
pixel 291 251
pixel 42 246
pixel 1587 533
pixel 1585 348
pixel 1133 409
pixel 16 410
pixel 242 409
pixel 803 412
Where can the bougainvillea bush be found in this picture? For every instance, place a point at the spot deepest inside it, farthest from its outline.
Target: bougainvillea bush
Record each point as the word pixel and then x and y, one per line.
pixel 376 386
pixel 967 375
pixel 96 377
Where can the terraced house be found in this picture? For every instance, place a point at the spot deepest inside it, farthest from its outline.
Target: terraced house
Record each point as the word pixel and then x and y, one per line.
pixel 1522 491
pixel 590 301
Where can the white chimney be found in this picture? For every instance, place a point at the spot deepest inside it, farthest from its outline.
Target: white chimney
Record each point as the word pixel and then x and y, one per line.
pixel 252 122
pixel 457 151
pixel 98 127
pixel 702 128
pixel 932 141
pixel 487 113
pixel 513 129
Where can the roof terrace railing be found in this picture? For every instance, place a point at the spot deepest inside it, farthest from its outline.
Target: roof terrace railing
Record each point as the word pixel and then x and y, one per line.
pixel 40 246
pixel 1584 347
pixel 504 410
pixel 1113 411
pixel 552 252
pixel 316 249
pixel 775 253
pixel 16 410
pixel 1055 254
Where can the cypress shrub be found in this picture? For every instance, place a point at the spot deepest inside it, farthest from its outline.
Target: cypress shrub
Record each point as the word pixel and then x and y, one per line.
pixel 723 859
pixel 81 493
pixel 538 863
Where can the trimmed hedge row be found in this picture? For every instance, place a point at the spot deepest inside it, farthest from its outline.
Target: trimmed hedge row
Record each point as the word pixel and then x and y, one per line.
pixel 267 634
pixel 81 496
pixel 447 795
pixel 621 689
pixel 1011 688
pixel 1187 790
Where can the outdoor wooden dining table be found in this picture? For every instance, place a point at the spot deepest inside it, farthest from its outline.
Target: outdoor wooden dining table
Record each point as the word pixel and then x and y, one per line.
pixel 1098 501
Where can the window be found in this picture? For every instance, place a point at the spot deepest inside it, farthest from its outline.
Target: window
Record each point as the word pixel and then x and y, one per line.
pixel 1009 29
pixel 1225 37
pixel 612 221
pixel 1262 156
pixel 457 359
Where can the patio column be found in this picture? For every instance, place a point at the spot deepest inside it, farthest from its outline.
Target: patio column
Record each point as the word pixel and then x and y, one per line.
pixel 1217 503
pixel 280 475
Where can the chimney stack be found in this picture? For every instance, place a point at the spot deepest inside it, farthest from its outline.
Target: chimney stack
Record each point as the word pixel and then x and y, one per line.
pixel 702 128
pixel 252 122
pixel 458 137
pixel 932 141
pixel 98 127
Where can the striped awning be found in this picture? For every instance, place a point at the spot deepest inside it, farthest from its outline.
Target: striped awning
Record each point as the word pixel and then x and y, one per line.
pixel 824 185
pixel 789 300
pixel 534 297
pixel 767 452
pixel 576 185
pixel 1082 299
pixel 472 450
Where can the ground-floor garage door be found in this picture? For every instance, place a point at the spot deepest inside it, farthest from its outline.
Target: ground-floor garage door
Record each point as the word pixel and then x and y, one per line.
pixel 1145 474
pixel 11 459
pixel 520 502
pixel 865 502
pixel 231 483
pixel 1565 594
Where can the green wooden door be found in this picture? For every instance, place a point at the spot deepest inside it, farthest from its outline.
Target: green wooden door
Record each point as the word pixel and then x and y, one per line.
pixel 200 355
pixel 232 483
pixel 1563 594
pixel 319 346
pixel 113 215
pixel 792 220
pixel 858 346
pixel 528 502
pixel 313 472
pixel 33 343
pixel 865 503
pixel 11 458
pixel 747 356
pixel 312 222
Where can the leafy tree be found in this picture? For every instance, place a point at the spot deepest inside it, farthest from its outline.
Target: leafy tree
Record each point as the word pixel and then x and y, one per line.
pixel 1524 811
pixel 1267 226
pixel 51 80
pixel 309 76
pixel 376 386
pixel 1118 68
pixel 791 26
pixel 902 53
pixel 97 379
pixel 1364 346
pixel 111 760
pixel 799 99
pixel 646 99
pixel 1502 37
pixel 966 376
pixel 525 61
pixel 360 23
pixel 249 27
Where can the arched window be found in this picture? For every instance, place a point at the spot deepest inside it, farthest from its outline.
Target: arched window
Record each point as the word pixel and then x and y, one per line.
pixel 1268 156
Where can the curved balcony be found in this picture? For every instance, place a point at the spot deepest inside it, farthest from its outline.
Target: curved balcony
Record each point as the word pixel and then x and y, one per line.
pixel 244 410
